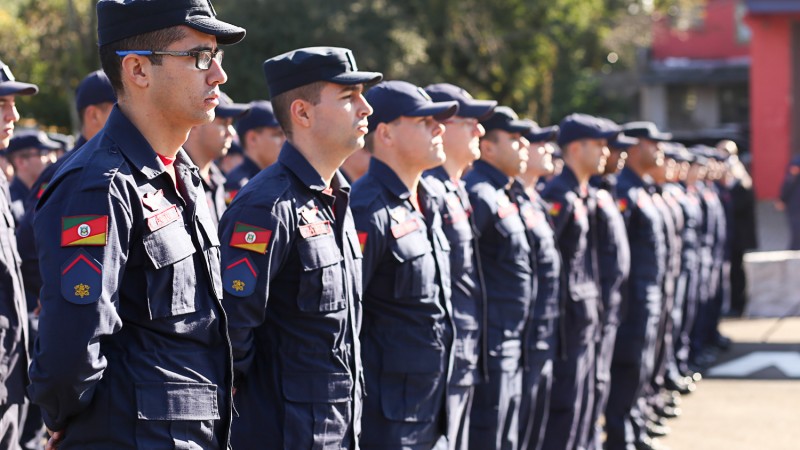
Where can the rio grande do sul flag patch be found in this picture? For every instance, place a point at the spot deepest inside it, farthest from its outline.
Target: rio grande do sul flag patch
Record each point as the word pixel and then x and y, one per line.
pixel 249 237
pixel 84 230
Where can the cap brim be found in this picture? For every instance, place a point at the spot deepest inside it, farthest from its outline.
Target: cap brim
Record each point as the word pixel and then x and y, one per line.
pixel 226 33
pixel 351 78
pixel 438 110
pixel 516 126
pixel 477 109
pixel 546 134
pixel 18 88
pixel 233 110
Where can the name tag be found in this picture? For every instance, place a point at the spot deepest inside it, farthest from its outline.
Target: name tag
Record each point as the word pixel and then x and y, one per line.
pixel 315 229
pixel 404 228
pixel 163 218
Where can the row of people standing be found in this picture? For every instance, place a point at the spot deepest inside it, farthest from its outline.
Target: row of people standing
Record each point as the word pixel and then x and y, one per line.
pixel 423 308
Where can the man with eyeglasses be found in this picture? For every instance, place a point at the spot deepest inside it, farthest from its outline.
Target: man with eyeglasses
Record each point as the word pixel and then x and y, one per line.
pixel 132 349
pixel 13 312
pixel 461 140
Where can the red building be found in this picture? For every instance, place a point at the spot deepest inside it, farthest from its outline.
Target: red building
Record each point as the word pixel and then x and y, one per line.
pixel 774 90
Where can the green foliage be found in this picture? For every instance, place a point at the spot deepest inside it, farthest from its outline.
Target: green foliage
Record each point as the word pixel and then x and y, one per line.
pixel 544 58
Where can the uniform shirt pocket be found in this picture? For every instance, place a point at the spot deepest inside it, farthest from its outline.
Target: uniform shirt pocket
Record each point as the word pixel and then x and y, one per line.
pixel 321 287
pixel 412 384
pixel 183 413
pixel 415 275
pixel 172 279
pixel 317 414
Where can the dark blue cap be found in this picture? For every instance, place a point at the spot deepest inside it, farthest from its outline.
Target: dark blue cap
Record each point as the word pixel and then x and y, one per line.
pixel 645 130
pixel 391 100
pixel 539 134
pixel 308 65
pixel 259 115
pixel 579 126
pixel 227 108
pixel 10 86
pixel 504 118
pixel 94 90
pixel 700 154
pixel 620 142
pixel 120 19
pixel 31 139
pixel 467 106
pixel 677 151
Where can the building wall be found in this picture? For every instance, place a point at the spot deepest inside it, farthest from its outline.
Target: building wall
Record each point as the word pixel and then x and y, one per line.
pixel 771 94
pixel 713 35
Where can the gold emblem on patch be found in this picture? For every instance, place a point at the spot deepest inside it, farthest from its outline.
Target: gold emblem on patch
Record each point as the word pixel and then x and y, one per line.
pixel 81 290
pixel 238 285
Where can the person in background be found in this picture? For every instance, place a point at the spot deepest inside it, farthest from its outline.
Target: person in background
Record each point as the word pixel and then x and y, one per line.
pixel 408 333
pixel 30 153
pixel 461 142
pixel 13 311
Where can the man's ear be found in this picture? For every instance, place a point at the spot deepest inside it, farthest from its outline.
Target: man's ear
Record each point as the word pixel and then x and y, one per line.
pixel 136 70
pixel 302 113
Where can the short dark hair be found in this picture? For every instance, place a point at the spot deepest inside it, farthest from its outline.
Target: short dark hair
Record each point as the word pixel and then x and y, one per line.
pixel 282 103
pixel 490 135
pixel 154 40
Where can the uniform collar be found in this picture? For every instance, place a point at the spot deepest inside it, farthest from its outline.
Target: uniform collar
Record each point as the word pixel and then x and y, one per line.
pixel 215 176
pixel 386 176
pixel 299 165
pixel 632 178
pixel 441 174
pixel 136 148
pixel 498 178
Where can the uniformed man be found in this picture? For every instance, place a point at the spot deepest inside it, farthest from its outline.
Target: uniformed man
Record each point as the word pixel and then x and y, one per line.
pixel 207 143
pixel 30 152
pixel 94 100
pixel 633 359
pixel 132 349
pixel 261 138
pixel 541 340
pixel 461 141
pixel 613 258
pixel 13 311
pixel 583 141
pixel 233 158
pixel 292 264
pixel 408 320
pixel 509 277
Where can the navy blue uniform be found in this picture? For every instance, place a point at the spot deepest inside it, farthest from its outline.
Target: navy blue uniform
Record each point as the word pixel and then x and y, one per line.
pixel 573 372
pixel 408 324
pixel 239 176
pixel 687 285
pixel 132 350
pixel 790 196
pixel 215 192
pixel 614 263
pixel 292 281
pixel 509 277
pixel 468 300
pixel 641 297
pixel 540 342
pixel 13 326
pixel 19 194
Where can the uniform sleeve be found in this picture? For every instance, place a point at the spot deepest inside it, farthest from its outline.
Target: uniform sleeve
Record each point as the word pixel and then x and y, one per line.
pixel 482 213
pixel 371 229
pixel 254 243
pixel 561 212
pixel 83 240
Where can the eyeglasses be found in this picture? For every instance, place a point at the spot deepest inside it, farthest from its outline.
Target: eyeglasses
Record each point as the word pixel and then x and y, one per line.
pixel 202 58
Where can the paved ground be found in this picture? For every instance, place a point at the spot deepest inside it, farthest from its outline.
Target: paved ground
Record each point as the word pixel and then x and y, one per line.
pixel 759 411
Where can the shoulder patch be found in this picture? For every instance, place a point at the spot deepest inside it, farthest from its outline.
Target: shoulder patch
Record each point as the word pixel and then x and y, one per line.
pixel 81 279
pixel 240 278
pixel 229 195
pixel 362 239
pixel 84 230
pixel 249 237
pixel 622 204
pixel 555 208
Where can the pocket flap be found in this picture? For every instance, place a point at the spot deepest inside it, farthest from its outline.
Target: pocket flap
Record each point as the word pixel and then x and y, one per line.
pixel 177 401
pixel 317 387
pixel 411 246
pixel 425 360
pixel 318 252
pixel 168 246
